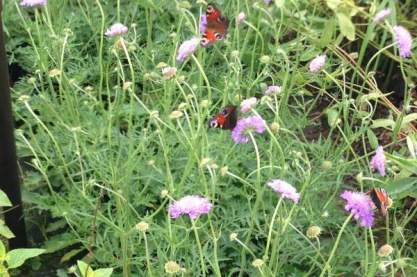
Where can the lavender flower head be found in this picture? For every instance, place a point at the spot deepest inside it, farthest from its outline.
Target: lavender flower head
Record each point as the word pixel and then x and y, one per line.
pixel 187 48
pixel 272 90
pixel 203 23
pixel 248 104
pixel 33 3
pixel 381 15
pixel 191 205
pixel 317 63
pixel 378 161
pixel 360 206
pixel 245 125
pixel 286 190
pixel 116 29
pixel 404 40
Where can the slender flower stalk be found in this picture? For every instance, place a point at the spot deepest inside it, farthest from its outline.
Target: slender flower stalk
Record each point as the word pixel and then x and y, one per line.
pixel 336 244
pixel 200 250
pixel 271 226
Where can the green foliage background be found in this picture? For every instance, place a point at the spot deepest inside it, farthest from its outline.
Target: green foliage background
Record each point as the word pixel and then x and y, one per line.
pixel 95 155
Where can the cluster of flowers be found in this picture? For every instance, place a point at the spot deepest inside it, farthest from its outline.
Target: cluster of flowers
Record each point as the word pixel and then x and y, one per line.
pixel 358 204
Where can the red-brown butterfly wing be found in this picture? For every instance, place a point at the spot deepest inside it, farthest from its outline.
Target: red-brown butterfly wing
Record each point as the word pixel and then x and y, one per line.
pixel 216 28
pixel 380 199
pixel 226 119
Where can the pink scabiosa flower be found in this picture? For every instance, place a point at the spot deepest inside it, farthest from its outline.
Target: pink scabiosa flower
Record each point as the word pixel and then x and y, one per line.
pixel 286 190
pixel 187 48
pixel 248 104
pixel 203 23
pixel 272 90
pixel 191 205
pixel 359 205
pixel 116 29
pixel 240 134
pixel 240 18
pixel 378 161
pixel 404 40
pixel 33 3
pixel 317 63
pixel 381 15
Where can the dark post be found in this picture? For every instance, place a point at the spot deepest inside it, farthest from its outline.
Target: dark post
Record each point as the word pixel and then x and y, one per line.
pixel 9 174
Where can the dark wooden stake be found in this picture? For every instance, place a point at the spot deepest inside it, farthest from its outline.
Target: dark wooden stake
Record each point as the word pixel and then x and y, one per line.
pixel 9 174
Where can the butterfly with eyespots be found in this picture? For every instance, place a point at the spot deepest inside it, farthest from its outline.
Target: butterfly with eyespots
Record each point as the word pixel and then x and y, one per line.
pixel 216 26
pixel 226 119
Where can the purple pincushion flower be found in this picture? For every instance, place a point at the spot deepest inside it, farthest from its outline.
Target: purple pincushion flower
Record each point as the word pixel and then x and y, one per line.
pixel 317 63
pixel 248 104
pixel 116 29
pixel 272 90
pixel 187 48
pixel 267 2
pixel 286 190
pixel 378 161
pixel 33 3
pixel 381 15
pixel 191 205
pixel 203 23
pixel 404 41
pixel 245 125
pixel 360 206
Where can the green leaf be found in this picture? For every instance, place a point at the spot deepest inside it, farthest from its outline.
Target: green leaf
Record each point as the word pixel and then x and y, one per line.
pixel 409 118
pixel 5 231
pixel 4 200
pixel 402 188
pixel 333 4
pixel 403 163
pixel 85 269
pixel 373 140
pixel 2 252
pixel 412 146
pixel 328 32
pixel 59 242
pixel 17 257
pixel 103 272
pixel 347 28
pixel 383 123
pixel 71 254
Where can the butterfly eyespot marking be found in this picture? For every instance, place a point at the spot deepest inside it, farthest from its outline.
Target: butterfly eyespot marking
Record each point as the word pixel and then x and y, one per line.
pixel 204 41
pixel 210 9
pixel 218 36
pixel 213 124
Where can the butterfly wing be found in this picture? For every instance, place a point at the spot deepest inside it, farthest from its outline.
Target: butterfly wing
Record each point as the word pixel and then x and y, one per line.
pixel 226 119
pixel 216 28
pixel 380 199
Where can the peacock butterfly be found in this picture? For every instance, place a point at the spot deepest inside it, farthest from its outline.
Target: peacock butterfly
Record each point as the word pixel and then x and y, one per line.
pixel 215 26
pixel 226 119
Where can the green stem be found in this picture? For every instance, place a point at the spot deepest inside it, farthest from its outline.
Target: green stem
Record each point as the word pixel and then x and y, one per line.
pixel 339 236
pixel 271 226
pixel 200 250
